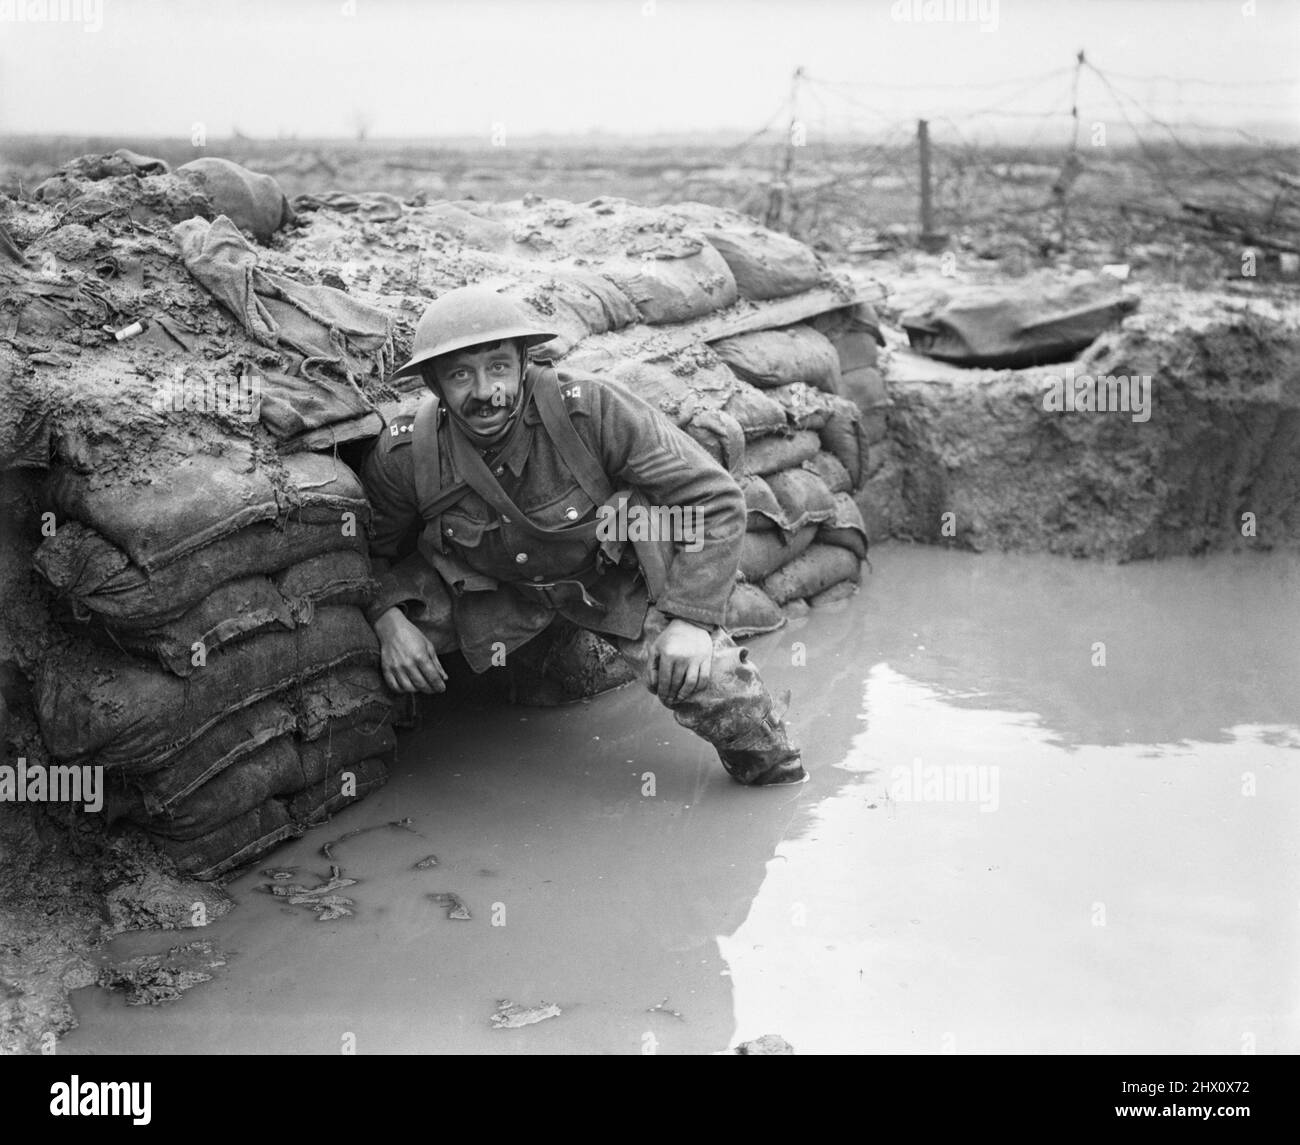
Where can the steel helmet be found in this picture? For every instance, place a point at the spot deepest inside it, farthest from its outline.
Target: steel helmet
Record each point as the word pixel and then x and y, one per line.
pixel 466 317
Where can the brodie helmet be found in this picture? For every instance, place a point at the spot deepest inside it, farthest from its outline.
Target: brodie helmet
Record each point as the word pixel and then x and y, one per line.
pixel 466 317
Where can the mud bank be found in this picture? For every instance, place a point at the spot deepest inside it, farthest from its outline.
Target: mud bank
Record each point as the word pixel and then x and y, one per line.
pixel 1220 439
pixel 1105 884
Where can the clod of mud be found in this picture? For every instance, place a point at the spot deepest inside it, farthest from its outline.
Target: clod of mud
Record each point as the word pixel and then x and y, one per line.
pixel 426 863
pixel 155 978
pixel 514 1015
pixel 767 1044
pixel 456 907
pixel 156 901
pixel 328 906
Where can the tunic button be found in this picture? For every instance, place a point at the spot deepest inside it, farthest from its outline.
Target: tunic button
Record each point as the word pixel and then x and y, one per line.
pixel 520 558
pixel 500 469
pixel 505 520
pixel 571 513
pixel 449 530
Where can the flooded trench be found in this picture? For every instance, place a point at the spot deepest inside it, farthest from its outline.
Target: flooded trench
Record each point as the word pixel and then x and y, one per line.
pixel 1006 845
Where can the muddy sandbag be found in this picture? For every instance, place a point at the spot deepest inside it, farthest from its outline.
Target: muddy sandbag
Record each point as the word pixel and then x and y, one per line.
pixel 834 594
pixel 282 768
pixel 253 202
pixel 771 454
pixel 575 303
pixel 339 577
pixel 183 502
pixel 756 412
pixel 812 572
pixel 766 264
pixel 235 611
pixel 240 841
pixel 845 436
pixel 845 528
pixel 803 497
pixel 767 358
pixel 804 407
pixel 90 704
pixel 831 470
pixel 750 611
pixel 251 835
pixel 447 220
pixel 761 554
pixel 660 387
pixel 721 436
pixel 762 509
pixel 353 695
pixel 98 576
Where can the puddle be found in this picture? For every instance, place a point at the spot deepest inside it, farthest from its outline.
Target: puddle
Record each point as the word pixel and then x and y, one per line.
pixel 1004 846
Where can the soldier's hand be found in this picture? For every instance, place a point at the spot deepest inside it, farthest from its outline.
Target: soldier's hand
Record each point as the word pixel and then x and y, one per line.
pixel 406 656
pixel 681 661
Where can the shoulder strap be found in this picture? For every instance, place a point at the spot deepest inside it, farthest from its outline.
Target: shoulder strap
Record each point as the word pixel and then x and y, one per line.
pixel 429 492
pixel 585 468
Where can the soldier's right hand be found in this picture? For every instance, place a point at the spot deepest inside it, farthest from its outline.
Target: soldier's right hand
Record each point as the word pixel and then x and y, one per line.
pixel 406 656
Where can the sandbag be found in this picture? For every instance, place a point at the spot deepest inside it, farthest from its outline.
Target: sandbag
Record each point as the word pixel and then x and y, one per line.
pixel 294 404
pixel 762 509
pixel 830 469
pixel 97 575
pixel 573 302
pixel 770 454
pixel 721 436
pixel 353 695
pixel 672 278
pixel 338 577
pixel 803 497
pixel 768 358
pixel 756 412
pixel 766 264
pixel 183 502
pixel 254 833
pixel 253 202
pixel 89 703
pixel 282 768
pixel 660 387
pixel 837 592
pixel 845 436
pixel 803 406
pixel 750 611
pixel 845 528
pixel 811 572
pixel 761 554
pixel 232 612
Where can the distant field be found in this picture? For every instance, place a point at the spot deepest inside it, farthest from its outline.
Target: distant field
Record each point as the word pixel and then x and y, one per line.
pixel 852 200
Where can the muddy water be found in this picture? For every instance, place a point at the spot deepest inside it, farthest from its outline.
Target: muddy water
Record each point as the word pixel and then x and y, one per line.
pixel 1005 845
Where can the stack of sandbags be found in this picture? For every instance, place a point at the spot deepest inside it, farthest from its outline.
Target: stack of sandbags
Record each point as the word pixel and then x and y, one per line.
pixel 222 668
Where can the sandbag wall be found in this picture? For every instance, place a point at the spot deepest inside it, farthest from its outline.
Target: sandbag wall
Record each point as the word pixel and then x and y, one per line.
pixel 223 671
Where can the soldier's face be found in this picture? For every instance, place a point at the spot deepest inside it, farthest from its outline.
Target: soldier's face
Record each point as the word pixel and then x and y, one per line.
pixel 480 385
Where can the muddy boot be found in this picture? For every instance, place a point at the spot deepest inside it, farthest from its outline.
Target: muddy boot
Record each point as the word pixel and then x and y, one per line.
pixel 763 756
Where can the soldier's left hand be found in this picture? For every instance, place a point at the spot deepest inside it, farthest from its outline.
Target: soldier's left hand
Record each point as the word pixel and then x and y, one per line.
pixel 681 661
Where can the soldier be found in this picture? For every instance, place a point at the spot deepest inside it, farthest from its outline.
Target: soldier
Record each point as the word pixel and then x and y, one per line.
pixel 494 503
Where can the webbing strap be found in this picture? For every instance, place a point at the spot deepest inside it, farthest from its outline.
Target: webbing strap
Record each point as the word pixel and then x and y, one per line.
pixel 480 479
pixel 429 492
pixel 577 457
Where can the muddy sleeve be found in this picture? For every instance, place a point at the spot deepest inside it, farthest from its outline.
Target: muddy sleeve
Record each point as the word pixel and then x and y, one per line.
pixel 404 577
pixel 639 446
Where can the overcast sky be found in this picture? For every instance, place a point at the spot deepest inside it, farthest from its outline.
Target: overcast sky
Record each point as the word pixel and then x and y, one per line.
pixel 319 67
